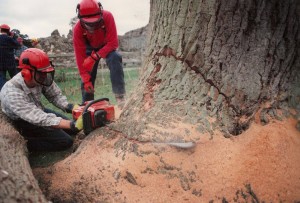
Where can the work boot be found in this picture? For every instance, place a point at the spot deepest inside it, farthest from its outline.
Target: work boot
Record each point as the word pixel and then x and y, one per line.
pixel 120 98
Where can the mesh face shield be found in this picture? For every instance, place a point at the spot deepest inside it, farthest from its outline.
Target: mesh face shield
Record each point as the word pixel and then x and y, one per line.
pixel 92 23
pixel 44 78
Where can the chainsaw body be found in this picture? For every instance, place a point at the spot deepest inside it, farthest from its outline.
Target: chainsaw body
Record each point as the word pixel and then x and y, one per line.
pixel 95 114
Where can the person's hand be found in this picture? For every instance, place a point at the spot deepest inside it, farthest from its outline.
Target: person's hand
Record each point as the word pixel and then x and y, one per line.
pixel 71 107
pixel 88 87
pixel 90 61
pixel 88 64
pixel 77 125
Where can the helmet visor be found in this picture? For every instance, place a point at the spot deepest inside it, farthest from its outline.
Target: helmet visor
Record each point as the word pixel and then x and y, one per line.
pixel 45 76
pixel 92 23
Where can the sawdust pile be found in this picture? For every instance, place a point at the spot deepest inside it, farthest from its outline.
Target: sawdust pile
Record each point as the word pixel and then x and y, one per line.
pixel 262 164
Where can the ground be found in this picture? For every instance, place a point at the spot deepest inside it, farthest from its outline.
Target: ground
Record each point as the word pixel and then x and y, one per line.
pixel 260 165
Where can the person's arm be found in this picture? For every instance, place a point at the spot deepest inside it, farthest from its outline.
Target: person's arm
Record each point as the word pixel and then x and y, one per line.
pixel 17 104
pixel 79 49
pixel 111 37
pixel 75 126
pixel 63 124
pixel 54 95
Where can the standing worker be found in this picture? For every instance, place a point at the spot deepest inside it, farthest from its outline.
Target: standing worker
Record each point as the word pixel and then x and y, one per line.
pixel 19 51
pixel 44 129
pixel 36 43
pixel 8 43
pixel 95 37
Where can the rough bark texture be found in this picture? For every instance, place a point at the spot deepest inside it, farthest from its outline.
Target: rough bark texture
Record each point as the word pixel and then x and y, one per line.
pixel 17 183
pixel 215 64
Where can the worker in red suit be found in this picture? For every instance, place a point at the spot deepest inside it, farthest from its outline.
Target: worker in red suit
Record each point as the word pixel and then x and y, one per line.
pixel 95 37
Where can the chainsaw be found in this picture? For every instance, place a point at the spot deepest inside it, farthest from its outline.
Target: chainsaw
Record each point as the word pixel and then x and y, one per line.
pixel 95 114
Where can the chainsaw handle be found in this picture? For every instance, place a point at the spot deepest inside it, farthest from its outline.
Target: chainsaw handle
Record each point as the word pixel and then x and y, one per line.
pixel 92 102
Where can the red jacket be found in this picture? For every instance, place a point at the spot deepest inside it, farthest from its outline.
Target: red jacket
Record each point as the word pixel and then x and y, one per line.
pixel 107 37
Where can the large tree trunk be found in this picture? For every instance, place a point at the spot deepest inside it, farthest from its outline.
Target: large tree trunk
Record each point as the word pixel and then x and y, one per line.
pixel 215 64
pixel 17 183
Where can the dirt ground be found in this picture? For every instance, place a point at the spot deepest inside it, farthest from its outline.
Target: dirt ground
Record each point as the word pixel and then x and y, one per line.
pixel 260 165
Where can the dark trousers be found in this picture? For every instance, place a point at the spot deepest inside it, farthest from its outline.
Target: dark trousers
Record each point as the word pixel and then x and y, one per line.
pixel 44 138
pixel 114 63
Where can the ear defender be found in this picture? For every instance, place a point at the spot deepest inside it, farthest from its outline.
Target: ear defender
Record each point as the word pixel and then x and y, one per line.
pixel 26 74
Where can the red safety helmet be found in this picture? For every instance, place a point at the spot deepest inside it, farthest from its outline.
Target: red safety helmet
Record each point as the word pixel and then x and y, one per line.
pixel 4 26
pixel 35 63
pixel 90 14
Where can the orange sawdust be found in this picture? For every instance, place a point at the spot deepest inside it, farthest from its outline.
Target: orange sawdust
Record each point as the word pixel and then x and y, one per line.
pixel 266 158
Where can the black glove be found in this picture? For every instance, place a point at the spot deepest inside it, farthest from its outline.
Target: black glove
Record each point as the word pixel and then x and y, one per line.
pixel 77 125
pixel 70 107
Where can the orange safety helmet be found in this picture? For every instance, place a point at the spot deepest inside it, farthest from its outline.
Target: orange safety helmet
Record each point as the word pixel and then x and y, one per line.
pixel 4 26
pixel 90 14
pixel 35 63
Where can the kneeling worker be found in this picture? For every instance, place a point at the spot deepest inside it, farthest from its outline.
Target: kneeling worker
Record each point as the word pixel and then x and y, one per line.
pixel 44 129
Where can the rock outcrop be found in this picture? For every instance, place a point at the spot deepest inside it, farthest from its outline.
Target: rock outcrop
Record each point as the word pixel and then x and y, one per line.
pixel 134 41
pixel 57 44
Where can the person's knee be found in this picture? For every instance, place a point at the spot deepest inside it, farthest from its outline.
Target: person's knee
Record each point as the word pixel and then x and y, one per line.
pixel 114 56
pixel 69 142
pixel 114 62
pixel 46 145
pixel 66 144
pixel 65 141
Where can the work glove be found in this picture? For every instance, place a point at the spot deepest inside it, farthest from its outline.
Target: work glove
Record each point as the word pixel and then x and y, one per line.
pixel 88 87
pixel 77 125
pixel 70 107
pixel 90 61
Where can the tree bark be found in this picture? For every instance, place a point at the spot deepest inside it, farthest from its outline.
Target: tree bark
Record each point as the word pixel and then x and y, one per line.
pixel 17 183
pixel 217 65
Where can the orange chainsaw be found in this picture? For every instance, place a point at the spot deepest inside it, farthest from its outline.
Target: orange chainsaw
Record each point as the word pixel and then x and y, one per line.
pixel 95 114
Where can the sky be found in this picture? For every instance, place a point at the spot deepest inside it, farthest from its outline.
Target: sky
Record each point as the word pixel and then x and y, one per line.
pixel 39 18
